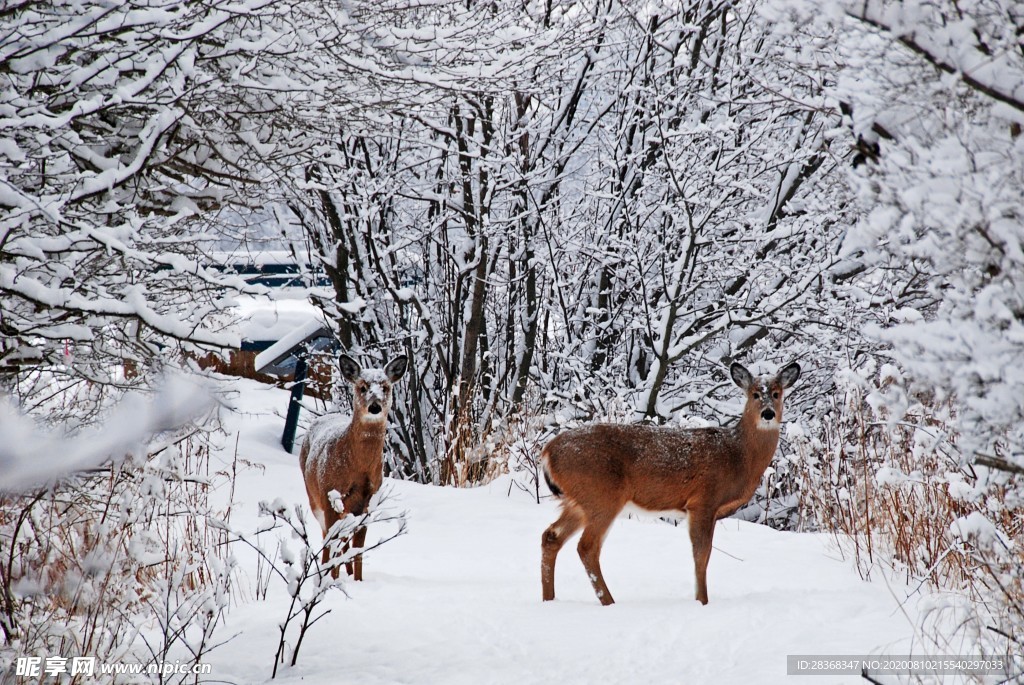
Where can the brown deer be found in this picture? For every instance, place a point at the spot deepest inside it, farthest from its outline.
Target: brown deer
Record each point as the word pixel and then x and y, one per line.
pixel 347 457
pixel 707 472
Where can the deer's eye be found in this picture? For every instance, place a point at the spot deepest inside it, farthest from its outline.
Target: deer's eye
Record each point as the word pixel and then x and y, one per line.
pixel 757 395
pixel 775 394
pixel 362 389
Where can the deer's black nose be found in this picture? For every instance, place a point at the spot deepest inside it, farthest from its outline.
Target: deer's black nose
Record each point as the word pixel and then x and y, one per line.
pixel 375 408
pixel 768 415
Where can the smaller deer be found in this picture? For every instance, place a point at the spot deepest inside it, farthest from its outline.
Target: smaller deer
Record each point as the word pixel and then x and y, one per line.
pixel 348 457
pixel 707 472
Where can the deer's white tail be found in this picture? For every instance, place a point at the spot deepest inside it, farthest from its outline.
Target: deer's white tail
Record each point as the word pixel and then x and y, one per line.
pixel 555 490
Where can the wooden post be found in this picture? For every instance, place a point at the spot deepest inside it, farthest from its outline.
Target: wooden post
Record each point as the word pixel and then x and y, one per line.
pixel 291 421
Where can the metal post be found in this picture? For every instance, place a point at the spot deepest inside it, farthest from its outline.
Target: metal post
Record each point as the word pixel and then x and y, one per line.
pixel 291 421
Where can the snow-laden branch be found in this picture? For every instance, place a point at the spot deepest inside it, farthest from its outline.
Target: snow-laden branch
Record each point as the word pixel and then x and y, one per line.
pixel 952 46
pixel 32 456
pixel 122 124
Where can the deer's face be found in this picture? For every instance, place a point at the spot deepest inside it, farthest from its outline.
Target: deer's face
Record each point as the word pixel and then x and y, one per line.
pixel 372 395
pixel 372 387
pixel 765 394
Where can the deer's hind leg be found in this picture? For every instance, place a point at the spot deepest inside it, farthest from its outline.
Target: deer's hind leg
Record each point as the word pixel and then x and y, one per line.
pixel 590 552
pixel 551 543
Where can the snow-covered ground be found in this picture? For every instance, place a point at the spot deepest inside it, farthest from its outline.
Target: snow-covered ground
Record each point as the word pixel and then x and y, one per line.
pixel 457 599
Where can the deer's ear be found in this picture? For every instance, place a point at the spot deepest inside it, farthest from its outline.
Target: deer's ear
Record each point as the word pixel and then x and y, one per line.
pixel 740 375
pixel 395 368
pixel 350 368
pixel 788 375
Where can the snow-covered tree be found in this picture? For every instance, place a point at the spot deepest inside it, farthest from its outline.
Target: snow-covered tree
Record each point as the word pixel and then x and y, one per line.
pixel 945 225
pixel 573 202
pixel 126 127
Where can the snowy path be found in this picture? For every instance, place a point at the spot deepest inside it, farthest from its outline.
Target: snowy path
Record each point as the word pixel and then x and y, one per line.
pixel 457 599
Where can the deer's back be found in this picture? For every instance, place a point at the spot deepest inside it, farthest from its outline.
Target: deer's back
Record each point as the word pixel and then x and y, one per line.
pixel 655 467
pixel 324 449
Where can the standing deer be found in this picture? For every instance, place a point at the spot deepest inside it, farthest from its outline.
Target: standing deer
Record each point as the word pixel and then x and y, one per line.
pixel 707 472
pixel 347 457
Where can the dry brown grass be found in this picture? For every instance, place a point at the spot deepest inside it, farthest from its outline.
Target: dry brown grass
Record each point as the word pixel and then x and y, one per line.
pixel 893 489
pixel 86 563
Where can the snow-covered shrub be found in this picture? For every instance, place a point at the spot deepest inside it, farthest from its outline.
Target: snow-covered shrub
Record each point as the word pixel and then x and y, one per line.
pixel 934 87
pixel 877 471
pixel 126 564
pixel 305 566
pixel 889 477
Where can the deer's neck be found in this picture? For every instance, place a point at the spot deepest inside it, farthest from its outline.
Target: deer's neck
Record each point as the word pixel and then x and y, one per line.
pixel 757 443
pixel 366 431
